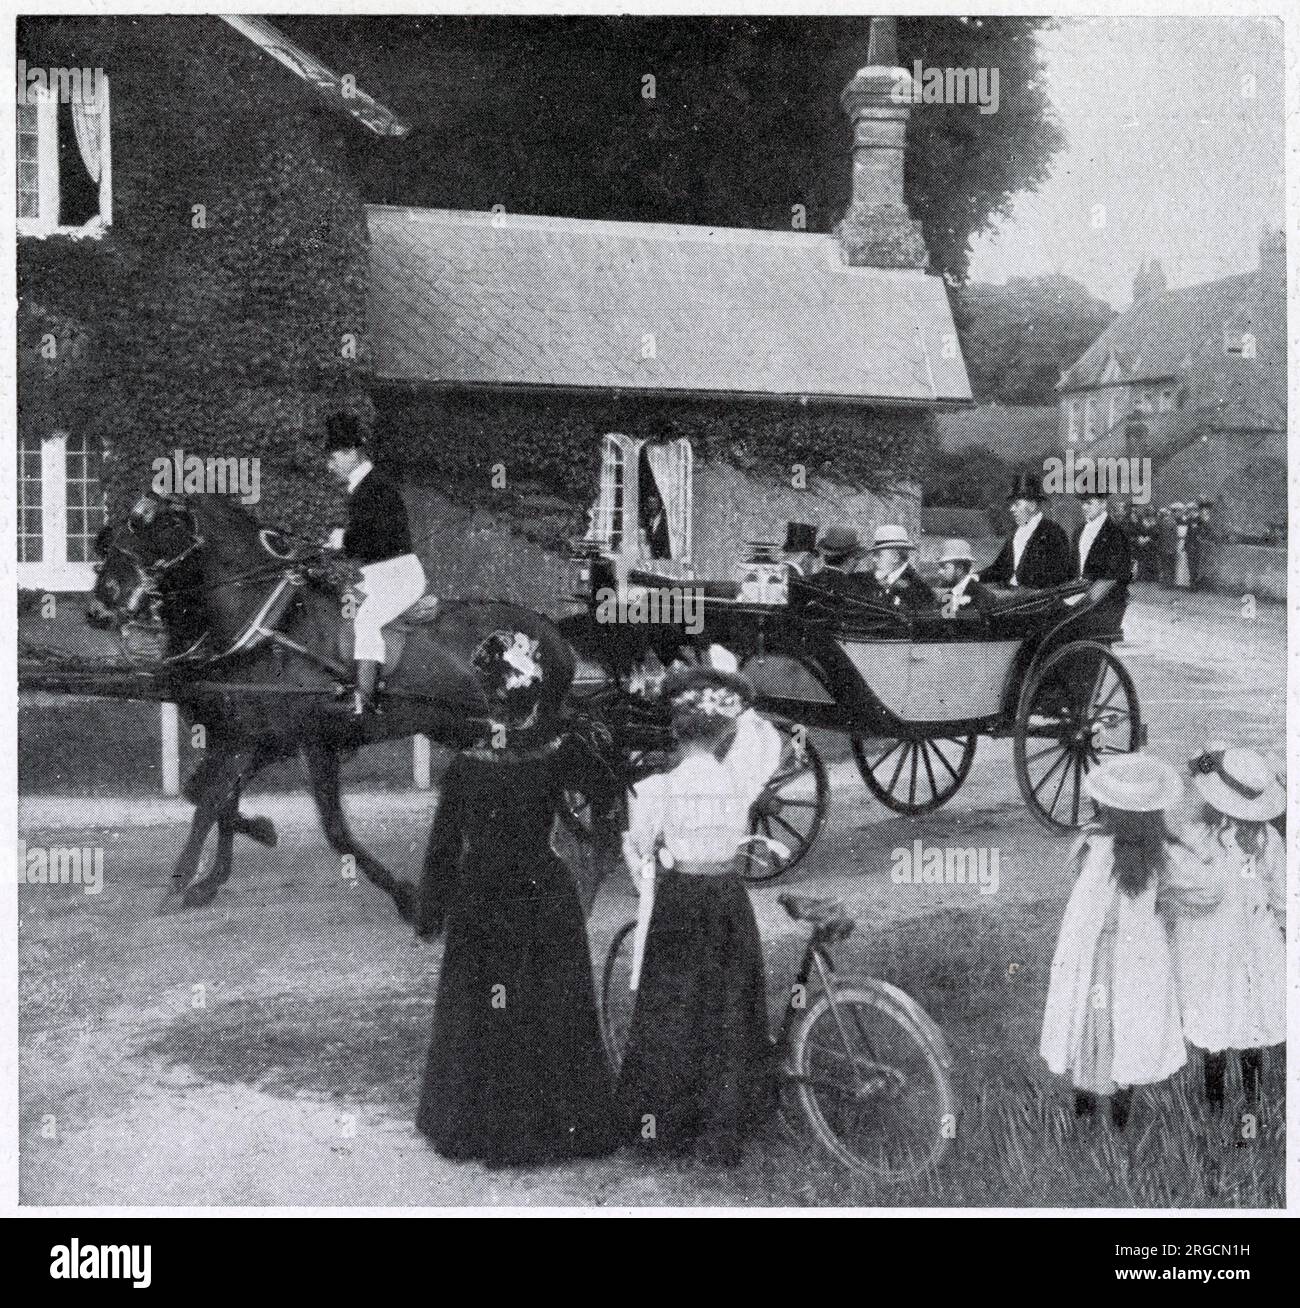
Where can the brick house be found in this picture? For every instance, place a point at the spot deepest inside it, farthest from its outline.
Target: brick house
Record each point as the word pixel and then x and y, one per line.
pixel 1195 380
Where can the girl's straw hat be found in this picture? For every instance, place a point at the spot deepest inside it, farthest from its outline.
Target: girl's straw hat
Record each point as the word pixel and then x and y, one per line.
pixel 1239 783
pixel 1136 783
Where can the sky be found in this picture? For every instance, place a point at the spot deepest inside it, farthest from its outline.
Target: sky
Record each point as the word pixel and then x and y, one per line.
pixel 1176 128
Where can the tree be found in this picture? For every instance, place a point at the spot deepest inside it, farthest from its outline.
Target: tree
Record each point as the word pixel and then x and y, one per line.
pixel 1018 339
pixel 728 121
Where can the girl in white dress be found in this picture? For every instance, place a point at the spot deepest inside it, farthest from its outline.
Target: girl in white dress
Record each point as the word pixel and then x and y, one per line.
pixel 1111 1021
pixel 1227 901
pixel 696 1072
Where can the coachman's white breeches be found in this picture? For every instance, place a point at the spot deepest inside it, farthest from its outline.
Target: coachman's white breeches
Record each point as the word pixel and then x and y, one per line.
pixel 388 588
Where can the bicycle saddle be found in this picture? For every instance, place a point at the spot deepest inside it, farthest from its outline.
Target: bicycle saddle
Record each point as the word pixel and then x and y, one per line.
pixel 820 912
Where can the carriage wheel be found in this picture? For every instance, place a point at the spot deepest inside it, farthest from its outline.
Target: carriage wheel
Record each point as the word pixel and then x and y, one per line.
pixel 1079 707
pixel 788 816
pixel 914 776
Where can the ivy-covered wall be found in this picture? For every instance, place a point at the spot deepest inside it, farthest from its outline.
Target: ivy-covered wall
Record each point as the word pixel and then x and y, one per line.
pixel 546 450
pixel 223 313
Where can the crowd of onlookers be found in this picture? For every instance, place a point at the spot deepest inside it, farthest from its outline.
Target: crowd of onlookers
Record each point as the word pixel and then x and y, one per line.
pixel 1168 544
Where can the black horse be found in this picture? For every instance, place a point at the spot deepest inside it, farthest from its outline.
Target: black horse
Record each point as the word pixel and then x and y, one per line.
pixel 256 651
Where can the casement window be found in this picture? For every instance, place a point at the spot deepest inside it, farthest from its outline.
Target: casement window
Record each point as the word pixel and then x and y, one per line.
pixel 629 470
pixel 1072 421
pixel 60 510
pixel 1115 407
pixel 65 172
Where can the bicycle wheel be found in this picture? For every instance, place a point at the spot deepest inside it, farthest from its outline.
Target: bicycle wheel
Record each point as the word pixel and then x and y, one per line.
pixel 872 1081
pixel 617 999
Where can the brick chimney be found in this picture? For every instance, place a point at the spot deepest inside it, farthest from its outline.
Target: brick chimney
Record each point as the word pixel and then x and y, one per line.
pixel 1150 280
pixel 877 231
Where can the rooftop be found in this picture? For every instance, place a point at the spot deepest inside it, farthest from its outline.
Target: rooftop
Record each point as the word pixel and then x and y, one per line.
pixel 509 300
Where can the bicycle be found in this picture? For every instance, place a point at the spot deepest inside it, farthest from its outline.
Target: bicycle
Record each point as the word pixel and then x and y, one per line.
pixel 867 1066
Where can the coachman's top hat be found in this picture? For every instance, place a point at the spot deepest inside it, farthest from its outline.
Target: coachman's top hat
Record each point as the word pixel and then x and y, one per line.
pixel 1025 486
pixel 343 432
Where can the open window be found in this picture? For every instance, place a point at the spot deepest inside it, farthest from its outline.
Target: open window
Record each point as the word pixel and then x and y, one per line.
pixel 643 512
pixel 65 171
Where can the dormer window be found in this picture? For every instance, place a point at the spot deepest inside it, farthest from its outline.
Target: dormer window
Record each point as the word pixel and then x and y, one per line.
pixel 64 165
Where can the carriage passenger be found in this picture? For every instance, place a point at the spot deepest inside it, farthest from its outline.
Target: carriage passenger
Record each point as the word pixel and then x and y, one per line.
pixel 839 549
pixel 378 539
pixel 1037 554
pixel 963 587
pixel 897 582
pixel 1100 554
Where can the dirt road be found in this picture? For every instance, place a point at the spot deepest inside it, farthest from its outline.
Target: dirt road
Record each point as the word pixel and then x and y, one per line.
pixel 266 1050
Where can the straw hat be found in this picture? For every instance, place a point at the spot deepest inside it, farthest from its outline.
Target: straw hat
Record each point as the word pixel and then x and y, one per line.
pixel 956 551
pixel 891 537
pixel 1239 783
pixel 1136 783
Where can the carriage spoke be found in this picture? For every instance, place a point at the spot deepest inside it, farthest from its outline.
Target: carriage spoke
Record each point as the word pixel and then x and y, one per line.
pixel 880 758
pixel 1047 776
pixel 1078 778
pixel 898 771
pixel 929 771
pixel 939 754
pixel 911 786
pixel 1060 786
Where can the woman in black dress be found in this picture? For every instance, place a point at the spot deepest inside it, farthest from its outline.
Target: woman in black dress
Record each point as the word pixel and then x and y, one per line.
pixel 516 1072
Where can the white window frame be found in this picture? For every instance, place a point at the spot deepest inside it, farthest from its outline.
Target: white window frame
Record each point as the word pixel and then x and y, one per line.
pixel 46 223
pixel 1115 407
pixel 1090 419
pixel 620 468
pixel 54 571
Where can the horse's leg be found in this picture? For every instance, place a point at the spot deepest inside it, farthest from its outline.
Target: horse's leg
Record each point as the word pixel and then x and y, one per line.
pixel 217 779
pixel 203 890
pixel 323 769
pixel 259 829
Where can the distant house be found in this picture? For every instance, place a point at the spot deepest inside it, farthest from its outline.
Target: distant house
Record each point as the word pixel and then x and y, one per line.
pixel 1195 380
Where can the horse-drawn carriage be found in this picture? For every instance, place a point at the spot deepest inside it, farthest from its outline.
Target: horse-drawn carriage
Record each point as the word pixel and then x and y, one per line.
pixel 913 692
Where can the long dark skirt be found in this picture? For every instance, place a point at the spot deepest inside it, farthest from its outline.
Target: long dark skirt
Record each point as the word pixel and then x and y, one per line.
pixel 697 1069
pixel 517 1072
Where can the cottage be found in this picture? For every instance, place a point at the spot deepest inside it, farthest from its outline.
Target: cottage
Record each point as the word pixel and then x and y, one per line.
pixel 669 391
pixel 1195 380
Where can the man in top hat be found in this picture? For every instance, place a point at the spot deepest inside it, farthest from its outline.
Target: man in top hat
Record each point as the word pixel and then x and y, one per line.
pixel 800 546
pixel 1037 554
pixel 898 583
pixel 1100 553
pixel 964 590
pixel 839 549
pixel 378 539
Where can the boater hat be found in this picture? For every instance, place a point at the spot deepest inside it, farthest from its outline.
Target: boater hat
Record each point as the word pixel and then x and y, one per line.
pixel 1136 783
pixel 1239 783
pixel 891 537
pixel 956 551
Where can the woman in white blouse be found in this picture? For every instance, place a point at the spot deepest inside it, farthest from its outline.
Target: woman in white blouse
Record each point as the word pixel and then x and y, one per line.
pixel 696 1073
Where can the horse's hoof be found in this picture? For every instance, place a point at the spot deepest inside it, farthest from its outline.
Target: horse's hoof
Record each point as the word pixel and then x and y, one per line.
pixel 262 830
pixel 200 893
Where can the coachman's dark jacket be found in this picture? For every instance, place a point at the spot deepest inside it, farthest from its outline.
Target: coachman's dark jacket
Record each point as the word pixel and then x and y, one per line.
pixel 377 525
pixel 1109 559
pixel 1045 561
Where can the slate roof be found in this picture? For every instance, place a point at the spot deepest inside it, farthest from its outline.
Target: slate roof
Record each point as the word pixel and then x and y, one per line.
pixel 1160 336
pixel 505 300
